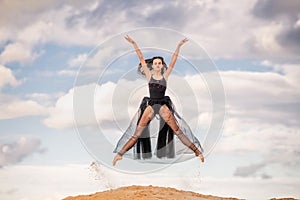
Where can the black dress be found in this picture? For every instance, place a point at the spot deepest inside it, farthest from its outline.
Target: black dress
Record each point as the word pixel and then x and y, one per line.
pixel 167 146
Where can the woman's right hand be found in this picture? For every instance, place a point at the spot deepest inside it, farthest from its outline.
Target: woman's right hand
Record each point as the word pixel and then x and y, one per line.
pixel 129 39
pixel 117 157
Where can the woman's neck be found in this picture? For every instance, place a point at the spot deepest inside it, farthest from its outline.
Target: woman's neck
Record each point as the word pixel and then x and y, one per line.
pixel 157 74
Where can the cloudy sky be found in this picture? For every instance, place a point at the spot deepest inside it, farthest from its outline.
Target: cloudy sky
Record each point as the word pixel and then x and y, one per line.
pixel 255 46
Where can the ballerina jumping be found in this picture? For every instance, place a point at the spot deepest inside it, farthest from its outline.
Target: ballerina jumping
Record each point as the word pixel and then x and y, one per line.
pixel 157 74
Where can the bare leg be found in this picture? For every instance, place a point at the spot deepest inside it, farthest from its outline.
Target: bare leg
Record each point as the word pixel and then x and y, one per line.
pixel 169 118
pixel 144 121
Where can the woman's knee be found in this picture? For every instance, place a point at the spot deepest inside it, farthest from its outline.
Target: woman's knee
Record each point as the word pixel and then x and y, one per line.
pixel 149 111
pixel 164 111
pixel 147 116
pixel 167 115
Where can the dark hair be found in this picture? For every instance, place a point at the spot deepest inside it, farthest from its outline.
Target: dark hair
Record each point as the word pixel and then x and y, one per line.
pixel 149 63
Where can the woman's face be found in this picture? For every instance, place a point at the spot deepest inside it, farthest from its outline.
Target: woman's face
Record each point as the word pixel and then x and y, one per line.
pixel 157 64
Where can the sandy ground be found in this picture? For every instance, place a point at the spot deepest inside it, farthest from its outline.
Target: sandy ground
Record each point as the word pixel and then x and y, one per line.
pixel 147 193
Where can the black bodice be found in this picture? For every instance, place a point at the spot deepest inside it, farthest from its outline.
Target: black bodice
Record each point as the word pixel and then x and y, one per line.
pixel 157 88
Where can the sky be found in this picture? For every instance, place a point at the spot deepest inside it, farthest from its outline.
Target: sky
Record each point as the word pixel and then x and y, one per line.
pixel 51 51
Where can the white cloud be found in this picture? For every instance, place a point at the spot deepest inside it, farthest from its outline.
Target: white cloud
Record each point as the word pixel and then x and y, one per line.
pixel 21 108
pixel 7 77
pixel 78 61
pixel 233 30
pixel 101 58
pixel 297 24
pixel 268 140
pixel 61 116
pixel 248 170
pixel 15 152
pixel 18 52
pixel 262 96
pixel 4 35
pixel 45 99
pixel 264 39
pixel 67 72
pixel 292 73
pixel 43 26
pixel 218 25
pixel 61 33
pixel 19 14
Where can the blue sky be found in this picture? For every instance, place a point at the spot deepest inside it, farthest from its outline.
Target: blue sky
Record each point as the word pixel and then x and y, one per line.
pixel 254 45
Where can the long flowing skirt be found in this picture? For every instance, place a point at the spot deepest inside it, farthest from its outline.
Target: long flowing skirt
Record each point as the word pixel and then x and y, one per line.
pixel 160 138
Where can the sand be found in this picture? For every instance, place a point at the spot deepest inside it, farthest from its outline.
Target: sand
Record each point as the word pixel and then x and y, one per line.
pixel 147 193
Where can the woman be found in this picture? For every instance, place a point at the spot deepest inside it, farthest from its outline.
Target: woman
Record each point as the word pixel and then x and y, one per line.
pixel 160 104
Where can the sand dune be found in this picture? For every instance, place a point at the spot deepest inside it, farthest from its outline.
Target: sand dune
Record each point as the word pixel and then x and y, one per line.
pixel 147 193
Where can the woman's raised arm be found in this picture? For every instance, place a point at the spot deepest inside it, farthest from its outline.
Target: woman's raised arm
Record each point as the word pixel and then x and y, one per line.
pixel 174 58
pixel 141 57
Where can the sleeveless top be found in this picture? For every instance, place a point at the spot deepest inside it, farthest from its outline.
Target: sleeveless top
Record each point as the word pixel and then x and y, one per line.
pixel 157 88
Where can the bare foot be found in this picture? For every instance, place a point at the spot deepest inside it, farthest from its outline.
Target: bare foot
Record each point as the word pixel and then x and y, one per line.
pixel 201 157
pixel 117 157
